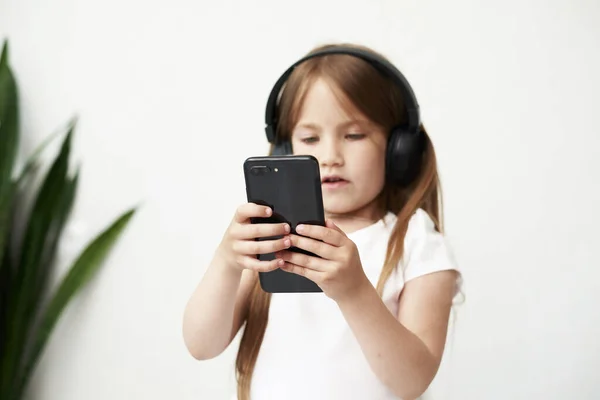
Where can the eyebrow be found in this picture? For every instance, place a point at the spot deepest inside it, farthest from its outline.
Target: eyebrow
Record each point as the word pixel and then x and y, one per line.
pixel 312 126
pixel 308 126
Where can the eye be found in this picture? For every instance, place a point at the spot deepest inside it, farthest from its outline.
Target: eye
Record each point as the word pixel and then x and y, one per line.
pixel 355 136
pixel 310 139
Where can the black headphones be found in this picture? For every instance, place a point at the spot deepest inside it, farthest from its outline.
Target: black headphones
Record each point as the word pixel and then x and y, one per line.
pixel 406 142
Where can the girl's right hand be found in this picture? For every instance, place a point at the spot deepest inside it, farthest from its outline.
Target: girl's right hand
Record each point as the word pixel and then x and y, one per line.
pixel 239 247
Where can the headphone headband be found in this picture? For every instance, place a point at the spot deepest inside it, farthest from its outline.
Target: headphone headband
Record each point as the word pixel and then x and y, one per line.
pixel 384 66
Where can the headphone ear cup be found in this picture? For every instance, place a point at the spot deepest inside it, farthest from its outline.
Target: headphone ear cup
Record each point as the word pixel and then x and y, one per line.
pixel 403 156
pixel 283 148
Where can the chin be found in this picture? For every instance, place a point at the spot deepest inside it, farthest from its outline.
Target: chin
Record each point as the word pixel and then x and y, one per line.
pixel 341 207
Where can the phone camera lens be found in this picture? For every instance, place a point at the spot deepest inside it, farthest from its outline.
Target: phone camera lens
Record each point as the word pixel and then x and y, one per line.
pixel 259 170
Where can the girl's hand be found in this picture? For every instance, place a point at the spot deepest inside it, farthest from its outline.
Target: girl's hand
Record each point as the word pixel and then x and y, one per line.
pixel 338 272
pixel 239 247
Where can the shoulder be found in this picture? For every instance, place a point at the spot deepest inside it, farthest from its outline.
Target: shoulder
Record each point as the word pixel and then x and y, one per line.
pixel 421 225
pixel 426 250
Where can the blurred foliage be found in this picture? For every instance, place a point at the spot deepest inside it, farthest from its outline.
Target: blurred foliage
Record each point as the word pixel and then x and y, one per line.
pixel 29 237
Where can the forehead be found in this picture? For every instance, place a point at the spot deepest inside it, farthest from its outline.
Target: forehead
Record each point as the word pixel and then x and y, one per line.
pixel 323 105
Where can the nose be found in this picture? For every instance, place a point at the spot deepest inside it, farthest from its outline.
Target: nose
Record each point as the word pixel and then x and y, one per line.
pixel 330 153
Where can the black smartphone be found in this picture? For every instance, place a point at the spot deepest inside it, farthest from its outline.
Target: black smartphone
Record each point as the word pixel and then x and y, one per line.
pixel 291 186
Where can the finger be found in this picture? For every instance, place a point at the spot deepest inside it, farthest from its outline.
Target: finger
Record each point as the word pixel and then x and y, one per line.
pixel 298 270
pixel 303 260
pixel 254 247
pixel 320 248
pixel 249 210
pixel 256 231
pixel 330 224
pixel 253 263
pixel 328 235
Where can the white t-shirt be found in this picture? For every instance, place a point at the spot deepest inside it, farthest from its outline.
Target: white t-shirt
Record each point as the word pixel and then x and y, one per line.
pixel 309 351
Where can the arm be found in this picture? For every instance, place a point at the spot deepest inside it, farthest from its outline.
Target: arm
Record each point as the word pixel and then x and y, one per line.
pixel 218 306
pixel 404 351
pixel 217 309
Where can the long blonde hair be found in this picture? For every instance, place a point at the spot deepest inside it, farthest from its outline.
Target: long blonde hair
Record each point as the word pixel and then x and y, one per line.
pixel 360 86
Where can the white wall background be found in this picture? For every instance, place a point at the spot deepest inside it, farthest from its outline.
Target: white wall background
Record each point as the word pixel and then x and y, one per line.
pixel 171 100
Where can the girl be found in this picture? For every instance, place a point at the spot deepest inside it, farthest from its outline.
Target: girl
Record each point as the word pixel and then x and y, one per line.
pixel 378 330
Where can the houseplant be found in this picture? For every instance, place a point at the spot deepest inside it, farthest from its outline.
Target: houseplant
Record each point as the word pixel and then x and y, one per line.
pixel 29 237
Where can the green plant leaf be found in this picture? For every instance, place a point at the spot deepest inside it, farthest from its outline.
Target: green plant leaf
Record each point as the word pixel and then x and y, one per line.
pixel 29 237
pixel 6 290
pixel 48 258
pixel 4 55
pixel 9 140
pixel 32 163
pixel 31 270
pixel 82 270
pixel 15 211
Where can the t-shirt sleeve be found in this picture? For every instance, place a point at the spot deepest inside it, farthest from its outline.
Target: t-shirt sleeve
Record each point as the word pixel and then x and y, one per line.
pixel 427 250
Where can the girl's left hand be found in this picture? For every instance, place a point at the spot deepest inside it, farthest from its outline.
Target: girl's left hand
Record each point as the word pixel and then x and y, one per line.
pixel 338 272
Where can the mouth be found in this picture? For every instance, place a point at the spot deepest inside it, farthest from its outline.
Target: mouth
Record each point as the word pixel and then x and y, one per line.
pixel 332 181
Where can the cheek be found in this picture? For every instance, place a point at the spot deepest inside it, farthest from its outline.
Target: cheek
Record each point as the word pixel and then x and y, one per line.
pixel 371 155
pixel 372 168
pixel 379 167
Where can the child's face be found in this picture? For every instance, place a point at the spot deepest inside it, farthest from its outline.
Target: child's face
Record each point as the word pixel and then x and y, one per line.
pixel 347 147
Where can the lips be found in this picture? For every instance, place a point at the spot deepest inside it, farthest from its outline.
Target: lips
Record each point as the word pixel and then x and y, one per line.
pixel 332 179
pixel 333 182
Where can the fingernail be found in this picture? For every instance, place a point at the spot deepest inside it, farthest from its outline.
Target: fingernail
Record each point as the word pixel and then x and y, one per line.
pixel 299 228
pixel 268 211
pixel 286 242
pixel 286 228
pixel 280 262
